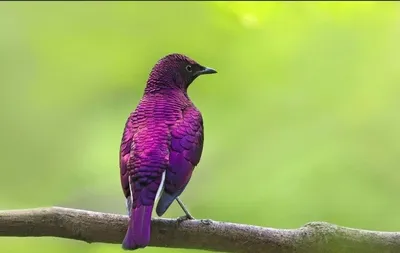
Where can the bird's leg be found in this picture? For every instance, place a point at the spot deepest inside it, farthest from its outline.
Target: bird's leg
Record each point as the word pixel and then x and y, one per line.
pixel 188 215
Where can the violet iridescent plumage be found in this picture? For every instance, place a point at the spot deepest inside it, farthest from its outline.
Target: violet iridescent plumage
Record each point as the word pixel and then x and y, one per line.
pixel 161 144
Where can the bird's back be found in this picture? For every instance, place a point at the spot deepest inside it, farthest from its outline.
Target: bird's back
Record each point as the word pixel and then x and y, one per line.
pixel 144 152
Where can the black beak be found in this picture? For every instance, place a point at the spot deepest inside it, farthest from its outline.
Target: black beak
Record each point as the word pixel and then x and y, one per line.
pixel 204 71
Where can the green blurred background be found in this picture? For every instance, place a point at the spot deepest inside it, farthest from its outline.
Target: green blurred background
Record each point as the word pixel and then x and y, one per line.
pixel 301 123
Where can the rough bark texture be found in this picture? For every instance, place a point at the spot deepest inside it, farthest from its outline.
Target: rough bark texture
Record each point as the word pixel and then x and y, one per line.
pixel 88 226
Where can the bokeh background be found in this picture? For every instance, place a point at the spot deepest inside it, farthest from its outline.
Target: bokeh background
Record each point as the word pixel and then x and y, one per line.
pixel 301 123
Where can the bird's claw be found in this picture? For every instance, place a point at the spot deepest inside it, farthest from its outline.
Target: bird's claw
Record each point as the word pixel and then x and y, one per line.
pixel 185 217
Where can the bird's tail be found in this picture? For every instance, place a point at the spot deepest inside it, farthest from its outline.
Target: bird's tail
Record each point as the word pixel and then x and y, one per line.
pixel 138 234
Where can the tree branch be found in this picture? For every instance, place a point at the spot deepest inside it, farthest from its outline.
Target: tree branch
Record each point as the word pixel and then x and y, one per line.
pixel 314 237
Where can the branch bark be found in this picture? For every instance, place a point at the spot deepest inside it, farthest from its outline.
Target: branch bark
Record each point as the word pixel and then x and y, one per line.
pixel 88 226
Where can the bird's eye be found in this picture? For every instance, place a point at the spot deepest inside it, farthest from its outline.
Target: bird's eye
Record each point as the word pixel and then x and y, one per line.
pixel 189 68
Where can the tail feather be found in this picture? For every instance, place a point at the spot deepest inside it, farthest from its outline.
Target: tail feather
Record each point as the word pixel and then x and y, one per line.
pixel 138 234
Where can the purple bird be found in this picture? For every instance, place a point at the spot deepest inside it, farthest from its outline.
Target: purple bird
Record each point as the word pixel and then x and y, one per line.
pixel 161 145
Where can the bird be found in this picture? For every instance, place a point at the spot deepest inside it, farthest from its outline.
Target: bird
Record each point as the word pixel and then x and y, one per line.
pixel 161 144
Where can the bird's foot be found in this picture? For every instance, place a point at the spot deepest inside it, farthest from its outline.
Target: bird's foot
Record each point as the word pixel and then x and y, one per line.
pixel 185 217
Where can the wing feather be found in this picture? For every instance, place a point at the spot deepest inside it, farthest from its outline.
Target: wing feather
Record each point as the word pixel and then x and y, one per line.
pixel 186 147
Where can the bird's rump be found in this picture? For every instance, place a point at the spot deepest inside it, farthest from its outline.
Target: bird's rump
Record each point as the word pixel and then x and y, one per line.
pixel 142 165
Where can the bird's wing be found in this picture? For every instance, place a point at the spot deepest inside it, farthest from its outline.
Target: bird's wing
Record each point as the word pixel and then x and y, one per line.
pixel 186 147
pixel 125 149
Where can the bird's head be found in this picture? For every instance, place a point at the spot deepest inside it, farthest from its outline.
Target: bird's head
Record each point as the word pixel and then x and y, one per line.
pixel 176 71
